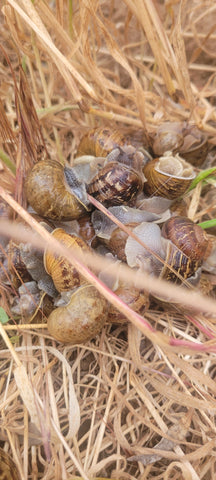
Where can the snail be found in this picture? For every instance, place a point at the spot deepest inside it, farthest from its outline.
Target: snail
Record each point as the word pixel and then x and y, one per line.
pixel 81 319
pixel 168 138
pixel 50 193
pixel 190 238
pixel 180 245
pixel 8 468
pixel 65 277
pixel 104 142
pixel 185 139
pixel 100 141
pixel 168 176
pixel 115 184
pixel 136 299
pixel 116 242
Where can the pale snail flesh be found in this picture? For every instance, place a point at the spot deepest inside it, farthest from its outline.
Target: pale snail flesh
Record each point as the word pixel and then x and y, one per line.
pixel 80 320
pixel 65 277
pixel 115 184
pixel 168 176
pixel 49 193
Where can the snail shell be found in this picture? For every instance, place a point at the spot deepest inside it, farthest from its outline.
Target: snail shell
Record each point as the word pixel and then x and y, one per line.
pixel 100 141
pixel 80 320
pixel 49 193
pixel 136 299
pixel 115 184
pixel 185 139
pixel 169 137
pixel 168 176
pixel 181 263
pixel 65 277
pixel 8 469
pixel 117 241
pixel 190 238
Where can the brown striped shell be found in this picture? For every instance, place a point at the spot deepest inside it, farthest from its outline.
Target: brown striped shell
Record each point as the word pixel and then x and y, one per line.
pixel 181 263
pixel 190 238
pixel 187 247
pixel 80 320
pixel 49 194
pixel 168 176
pixel 115 184
pixel 99 142
pixel 65 276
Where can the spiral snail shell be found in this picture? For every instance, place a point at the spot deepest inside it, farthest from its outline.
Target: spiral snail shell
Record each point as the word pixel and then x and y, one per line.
pixel 190 238
pixel 115 184
pixel 100 141
pixel 183 138
pixel 168 176
pixel 81 319
pixel 186 249
pixel 49 193
pixel 65 277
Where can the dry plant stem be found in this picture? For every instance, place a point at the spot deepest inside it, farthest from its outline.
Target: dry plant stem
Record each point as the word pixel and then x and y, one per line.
pixel 64 66
pixel 140 322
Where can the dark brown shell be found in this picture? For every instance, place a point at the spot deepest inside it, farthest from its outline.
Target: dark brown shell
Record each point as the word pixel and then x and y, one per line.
pixel 49 194
pixel 115 184
pixel 190 238
pixel 99 142
pixel 167 176
pixel 117 241
pixel 65 276
pixel 180 262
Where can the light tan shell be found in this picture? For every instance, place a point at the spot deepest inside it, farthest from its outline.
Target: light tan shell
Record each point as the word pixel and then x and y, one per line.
pixel 49 194
pixel 80 320
pixel 64 275
pixel 168 176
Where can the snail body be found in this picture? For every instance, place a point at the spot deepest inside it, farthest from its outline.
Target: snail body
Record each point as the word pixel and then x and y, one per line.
pixel 49 193
pixel 81 319
pixel 168 176
pixel 115 184
pixel 65 277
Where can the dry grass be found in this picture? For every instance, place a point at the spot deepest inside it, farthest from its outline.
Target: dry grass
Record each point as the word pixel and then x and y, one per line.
pixel 146 387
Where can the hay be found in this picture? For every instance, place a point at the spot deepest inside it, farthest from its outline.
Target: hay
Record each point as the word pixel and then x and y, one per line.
pixel 138 401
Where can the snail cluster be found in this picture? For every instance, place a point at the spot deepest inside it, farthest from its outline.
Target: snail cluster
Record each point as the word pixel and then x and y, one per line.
pixel 137 186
